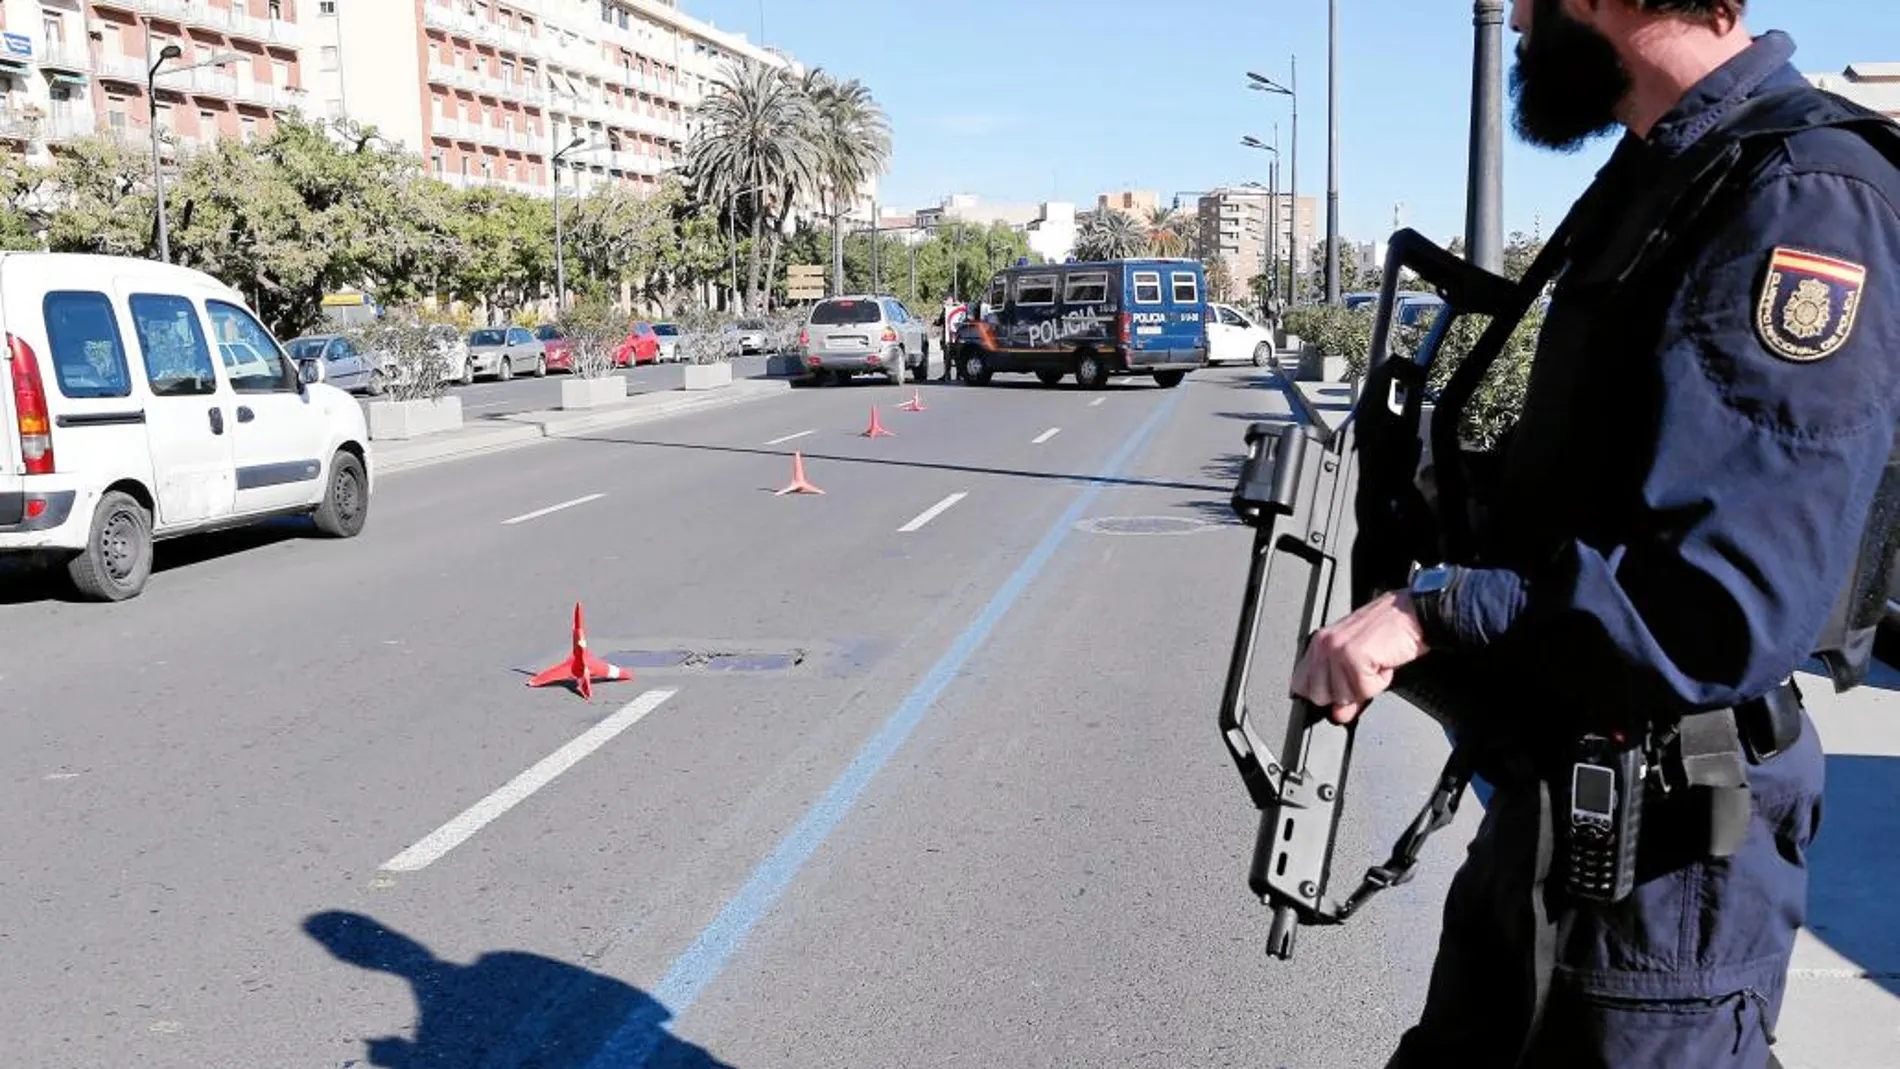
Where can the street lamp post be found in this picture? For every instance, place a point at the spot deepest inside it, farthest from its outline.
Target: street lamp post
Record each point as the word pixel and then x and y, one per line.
pixel 1332 154
pixel 1273 204
pixel 169 52
pixel 1292 93
pixel 560 262
pixel 1484 220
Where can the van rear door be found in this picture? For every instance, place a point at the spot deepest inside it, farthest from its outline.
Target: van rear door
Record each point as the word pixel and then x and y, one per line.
pixel 1185 335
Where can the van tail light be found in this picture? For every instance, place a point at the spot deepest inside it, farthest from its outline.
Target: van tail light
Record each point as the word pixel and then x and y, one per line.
pixel 29 406
pixel 1125 327
pixel 890 333
pixel 1207 315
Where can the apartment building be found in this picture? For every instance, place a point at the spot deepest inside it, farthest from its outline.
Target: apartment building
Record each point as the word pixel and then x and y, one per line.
pixel 74 68
pixel 1233 224
pixel 494 92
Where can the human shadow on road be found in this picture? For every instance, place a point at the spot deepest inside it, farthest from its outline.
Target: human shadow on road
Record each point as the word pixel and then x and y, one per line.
pixel 1079 480
pixel 1851 905
pixel 507 1009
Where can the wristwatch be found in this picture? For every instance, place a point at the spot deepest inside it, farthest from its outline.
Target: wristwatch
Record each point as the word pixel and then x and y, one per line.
pixel 1428 590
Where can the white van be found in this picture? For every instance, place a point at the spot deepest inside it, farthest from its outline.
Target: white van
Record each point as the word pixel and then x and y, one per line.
pixel 119 425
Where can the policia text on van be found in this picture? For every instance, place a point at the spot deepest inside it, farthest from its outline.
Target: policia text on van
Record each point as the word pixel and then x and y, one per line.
pixel 1092 320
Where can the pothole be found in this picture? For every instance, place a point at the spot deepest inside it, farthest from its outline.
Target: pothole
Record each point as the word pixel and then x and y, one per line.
pixel 1145 525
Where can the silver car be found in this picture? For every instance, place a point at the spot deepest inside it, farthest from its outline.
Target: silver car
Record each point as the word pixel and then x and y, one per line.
pixel 502 351
pixel 865 334
pixel 669 334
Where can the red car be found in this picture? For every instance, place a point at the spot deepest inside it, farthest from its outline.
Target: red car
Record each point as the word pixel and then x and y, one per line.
pixel 560 353
pixel 641 347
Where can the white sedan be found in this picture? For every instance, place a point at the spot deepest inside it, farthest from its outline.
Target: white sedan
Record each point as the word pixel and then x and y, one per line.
pixel 1233 338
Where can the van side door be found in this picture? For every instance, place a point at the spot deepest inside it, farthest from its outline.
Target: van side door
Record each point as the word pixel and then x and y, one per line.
pixel 188 420
pixel 278 433
pixel 97 408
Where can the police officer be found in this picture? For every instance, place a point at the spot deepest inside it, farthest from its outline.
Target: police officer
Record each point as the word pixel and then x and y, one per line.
pixel 1680 504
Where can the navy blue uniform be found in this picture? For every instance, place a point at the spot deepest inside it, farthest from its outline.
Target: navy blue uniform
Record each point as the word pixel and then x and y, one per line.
pixel 1681 504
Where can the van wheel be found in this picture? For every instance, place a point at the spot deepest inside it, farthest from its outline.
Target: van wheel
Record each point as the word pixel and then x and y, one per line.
pixel 1049 378
pixel 1262 354
pixel 1091 371
pixel 976 370
pixel 118 556
pixel 1168 380
pixel 345 505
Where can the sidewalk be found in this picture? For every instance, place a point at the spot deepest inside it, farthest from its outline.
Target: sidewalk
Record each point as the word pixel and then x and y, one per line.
pixel 1842 1007
pixel 495 433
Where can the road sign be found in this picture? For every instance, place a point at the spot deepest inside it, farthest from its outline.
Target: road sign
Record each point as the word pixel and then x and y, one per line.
pixel 804 282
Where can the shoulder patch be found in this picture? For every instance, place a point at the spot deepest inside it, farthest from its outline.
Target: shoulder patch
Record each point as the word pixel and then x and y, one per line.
pixel 1807 304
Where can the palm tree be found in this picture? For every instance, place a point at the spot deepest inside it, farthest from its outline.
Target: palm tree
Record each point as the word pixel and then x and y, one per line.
pixel 1108 234
pixel 854 143
pixel 1167 232
pixel 753 141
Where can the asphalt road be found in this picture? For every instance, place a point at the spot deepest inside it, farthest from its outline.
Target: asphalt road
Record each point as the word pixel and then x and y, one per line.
pixel 488 398
pixel 921 772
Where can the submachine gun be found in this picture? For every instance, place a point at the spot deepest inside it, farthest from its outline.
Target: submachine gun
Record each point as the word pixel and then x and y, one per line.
pixel 1355 495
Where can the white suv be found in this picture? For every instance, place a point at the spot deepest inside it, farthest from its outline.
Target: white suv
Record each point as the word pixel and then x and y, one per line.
pixel 119 425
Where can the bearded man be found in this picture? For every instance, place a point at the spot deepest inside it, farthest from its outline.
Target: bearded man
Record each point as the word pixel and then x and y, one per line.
pixel 1689 491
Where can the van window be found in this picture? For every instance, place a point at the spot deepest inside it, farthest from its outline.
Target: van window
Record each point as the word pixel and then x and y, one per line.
pixel 1036 289
pixel 841 313
pixel 177 360
pixel 1147 287
pixel 251 357
pixel 88 355
pixel 1090 288
pixel 1186 288
pixel 999 292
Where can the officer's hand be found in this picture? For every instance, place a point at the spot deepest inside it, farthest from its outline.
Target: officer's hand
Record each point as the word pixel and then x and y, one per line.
pixel 1351 662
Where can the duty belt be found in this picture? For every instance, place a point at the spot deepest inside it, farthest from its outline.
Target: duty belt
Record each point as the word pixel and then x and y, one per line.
pixel 1770 724
pixel 1710 753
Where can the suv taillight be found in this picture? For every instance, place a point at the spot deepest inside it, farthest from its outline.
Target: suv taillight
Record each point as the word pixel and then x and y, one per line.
pixel 29 407
pixel 804 336
pixel 890 333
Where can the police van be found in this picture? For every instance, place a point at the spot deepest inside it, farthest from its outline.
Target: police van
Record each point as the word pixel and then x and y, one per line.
pixel 1094 320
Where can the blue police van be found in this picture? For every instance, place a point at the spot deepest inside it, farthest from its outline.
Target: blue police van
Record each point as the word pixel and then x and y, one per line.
pixel 1094 320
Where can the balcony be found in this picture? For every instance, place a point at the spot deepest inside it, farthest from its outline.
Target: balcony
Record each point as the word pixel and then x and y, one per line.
pixel 17 127
pixel 67 55
pixel 452 129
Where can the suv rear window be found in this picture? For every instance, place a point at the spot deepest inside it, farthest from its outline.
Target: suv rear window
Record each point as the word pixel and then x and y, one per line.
pixel 88 354
pixel 834 313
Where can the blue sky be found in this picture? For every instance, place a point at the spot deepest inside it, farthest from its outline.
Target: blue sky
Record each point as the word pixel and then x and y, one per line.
pixel 1029 100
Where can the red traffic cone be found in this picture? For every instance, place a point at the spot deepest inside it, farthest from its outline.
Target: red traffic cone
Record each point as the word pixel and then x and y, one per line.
pixel 915 404
pixel 876 429
pixel 583 667
pixel 799 484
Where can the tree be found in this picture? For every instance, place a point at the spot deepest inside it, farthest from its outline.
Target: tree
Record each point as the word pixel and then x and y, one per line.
pixel 1220 279
pixel 105 202
pixel 1108 234
pixel 754 142
pixel 1168 232
pixel 853 137
pixel 506 259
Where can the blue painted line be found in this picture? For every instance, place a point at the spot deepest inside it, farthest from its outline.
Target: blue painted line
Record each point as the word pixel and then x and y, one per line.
pixel 702 962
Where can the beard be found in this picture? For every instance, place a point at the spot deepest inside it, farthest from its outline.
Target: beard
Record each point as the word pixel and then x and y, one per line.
pixel 1567 81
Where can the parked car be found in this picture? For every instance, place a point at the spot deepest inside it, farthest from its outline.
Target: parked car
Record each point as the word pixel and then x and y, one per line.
pixel 669 334
pixel 864 333
pixel 752 336
pixel 641 346
pixel 1095 320
pixel 503 351
pixel 1234 338
pixel 560 352
pixel 344 365
pixel 453 347
pixel 111 440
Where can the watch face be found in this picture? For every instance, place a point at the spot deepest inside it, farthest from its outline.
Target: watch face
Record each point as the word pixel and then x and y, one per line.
pixel 1431 580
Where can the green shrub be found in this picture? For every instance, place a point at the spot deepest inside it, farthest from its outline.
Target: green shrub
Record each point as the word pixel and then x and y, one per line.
pixel 1499 399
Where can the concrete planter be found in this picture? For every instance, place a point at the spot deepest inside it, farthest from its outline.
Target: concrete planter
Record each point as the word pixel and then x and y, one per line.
pixel 592 393
pixel 1316 368
pixel 396 420
pixel 707 376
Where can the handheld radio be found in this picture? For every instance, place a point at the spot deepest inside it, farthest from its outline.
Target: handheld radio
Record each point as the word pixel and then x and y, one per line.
pixel 1606 807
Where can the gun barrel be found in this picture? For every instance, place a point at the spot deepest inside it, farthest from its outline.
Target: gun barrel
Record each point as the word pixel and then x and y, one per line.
pixel 1280 936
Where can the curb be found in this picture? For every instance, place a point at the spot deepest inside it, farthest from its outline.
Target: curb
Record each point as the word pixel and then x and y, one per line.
pixel 529 428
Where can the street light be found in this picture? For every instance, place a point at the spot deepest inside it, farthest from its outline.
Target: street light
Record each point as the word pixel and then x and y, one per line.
pixel 169 52
pixel 1267 85
pixel 560 263
pixel 1332 153
pixel 1273 206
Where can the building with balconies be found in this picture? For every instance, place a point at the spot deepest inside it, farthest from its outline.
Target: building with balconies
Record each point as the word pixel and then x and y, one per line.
pixel 489 92
pixel 72 68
